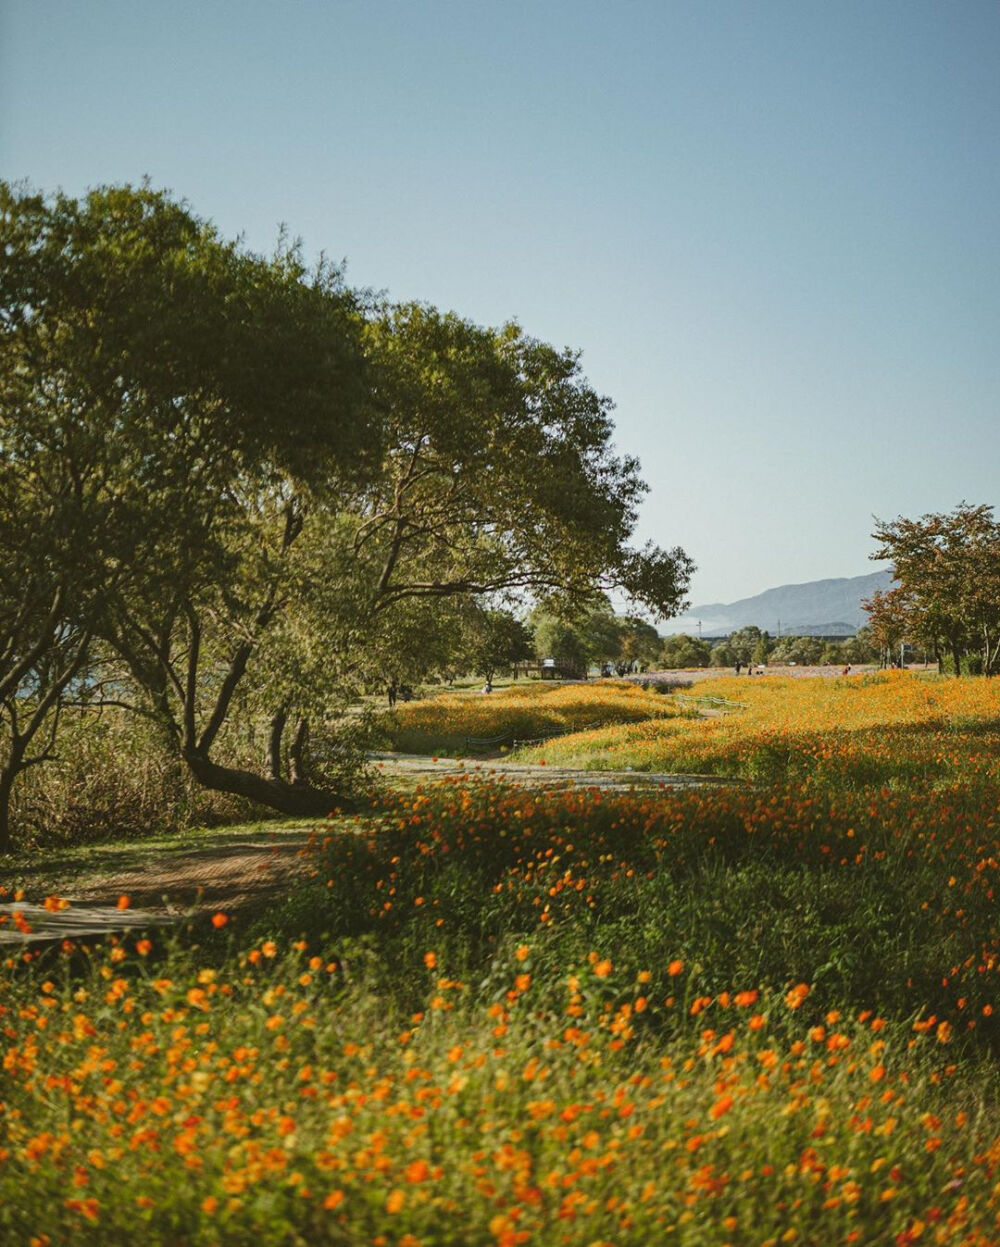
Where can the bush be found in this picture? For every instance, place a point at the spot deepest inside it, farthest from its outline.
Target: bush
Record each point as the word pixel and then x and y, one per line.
pixel 113 776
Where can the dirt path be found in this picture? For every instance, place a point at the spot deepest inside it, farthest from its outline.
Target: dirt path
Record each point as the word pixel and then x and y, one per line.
pixel 224 876
pixel 228 869
pixel 416 768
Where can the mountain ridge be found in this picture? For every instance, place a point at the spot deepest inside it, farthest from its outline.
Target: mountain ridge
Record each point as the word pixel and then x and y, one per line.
pixel 791 608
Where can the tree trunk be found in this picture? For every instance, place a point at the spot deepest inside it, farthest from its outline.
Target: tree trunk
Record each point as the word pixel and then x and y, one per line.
pixel 956 658
pixel 273 761
pixel 298 800
pixel 6 785
pixel 296 753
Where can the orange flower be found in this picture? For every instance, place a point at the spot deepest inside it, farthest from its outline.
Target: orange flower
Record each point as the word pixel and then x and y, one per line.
pixel 430 960
pixel 675 968
pixel 722 1105
pixel 797 995
pixel 334 1199
pixel 123 902
pixel 522 952
pixel 602 968
pixel 219 920
pixel 395 1201
pixel 417 1171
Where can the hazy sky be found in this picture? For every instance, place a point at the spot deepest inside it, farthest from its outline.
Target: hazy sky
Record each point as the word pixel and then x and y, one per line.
pixel 773 228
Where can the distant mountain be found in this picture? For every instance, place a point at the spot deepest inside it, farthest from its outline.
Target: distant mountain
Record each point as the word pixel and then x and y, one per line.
pixel 819 607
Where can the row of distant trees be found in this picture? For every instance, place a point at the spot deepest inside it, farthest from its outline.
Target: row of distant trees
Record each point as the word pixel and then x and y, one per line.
pixel 596 636
pixel 470 638
pixel 752 645
pixel 235 492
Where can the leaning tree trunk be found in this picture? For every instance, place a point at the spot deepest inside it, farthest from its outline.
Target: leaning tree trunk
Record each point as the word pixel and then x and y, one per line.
pixel 298 800
pixel 11 769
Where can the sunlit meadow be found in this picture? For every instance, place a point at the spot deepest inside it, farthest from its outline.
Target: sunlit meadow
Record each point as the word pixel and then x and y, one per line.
pixel 884 727
pixel 759 1014
pixel 443 723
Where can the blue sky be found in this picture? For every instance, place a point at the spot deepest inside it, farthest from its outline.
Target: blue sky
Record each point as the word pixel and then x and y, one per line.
pixel 773 228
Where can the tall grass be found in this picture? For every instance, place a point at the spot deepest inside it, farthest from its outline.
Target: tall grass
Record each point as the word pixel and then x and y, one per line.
pixel 112 777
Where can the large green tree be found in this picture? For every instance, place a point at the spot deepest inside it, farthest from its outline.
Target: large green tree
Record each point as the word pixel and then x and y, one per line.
pixel 948 569
pixel 496 639
pixel 278 477
pixel 685 651
pixel 195 397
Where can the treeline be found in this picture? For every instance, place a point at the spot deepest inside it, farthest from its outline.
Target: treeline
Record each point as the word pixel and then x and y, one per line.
pixel 752 645
pixel 577 634
pixel 235 492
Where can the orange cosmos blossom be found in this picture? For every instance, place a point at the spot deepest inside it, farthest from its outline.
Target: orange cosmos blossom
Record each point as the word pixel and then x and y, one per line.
pixel 219 920
pixel 795 997
pixel 675 968
pixel 123 902
pixel 722 1105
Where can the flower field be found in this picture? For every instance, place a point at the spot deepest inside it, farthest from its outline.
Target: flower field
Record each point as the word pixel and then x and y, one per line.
pixel 758 1014
pixel 886 727
pixel 525 711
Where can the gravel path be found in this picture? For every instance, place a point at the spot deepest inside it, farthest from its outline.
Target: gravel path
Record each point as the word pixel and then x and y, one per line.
pixel 415 767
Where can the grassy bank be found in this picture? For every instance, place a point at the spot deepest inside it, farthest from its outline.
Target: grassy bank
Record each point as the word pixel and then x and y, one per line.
pixel 443 723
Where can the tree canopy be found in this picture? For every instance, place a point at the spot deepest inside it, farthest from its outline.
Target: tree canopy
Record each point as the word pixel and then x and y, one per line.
pixel 948 595
pixel 242 480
